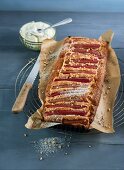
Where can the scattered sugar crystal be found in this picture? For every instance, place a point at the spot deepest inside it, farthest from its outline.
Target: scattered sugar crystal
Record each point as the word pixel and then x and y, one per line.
pixel 49 145
pixel 25 135
pixel 46 147
pixel 59 146
pixel 41 158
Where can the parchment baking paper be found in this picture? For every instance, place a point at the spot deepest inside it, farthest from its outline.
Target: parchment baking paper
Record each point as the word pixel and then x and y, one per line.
pixel 103 120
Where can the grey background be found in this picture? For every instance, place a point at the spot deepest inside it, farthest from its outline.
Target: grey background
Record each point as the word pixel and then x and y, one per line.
pixel 90 18
pixel 64 5
pixel 16 151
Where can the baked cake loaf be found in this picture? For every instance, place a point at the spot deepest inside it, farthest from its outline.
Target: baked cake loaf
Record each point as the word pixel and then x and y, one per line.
pixel 74 86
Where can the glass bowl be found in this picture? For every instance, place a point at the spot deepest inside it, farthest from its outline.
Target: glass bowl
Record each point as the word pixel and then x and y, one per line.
pixel 29 42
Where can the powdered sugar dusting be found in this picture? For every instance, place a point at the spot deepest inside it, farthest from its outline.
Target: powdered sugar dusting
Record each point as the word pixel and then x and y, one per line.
pixel 74 92
pixel 49 146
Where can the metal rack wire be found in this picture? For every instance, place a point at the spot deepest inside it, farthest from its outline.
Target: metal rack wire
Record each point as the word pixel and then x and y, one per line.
pixel 33 102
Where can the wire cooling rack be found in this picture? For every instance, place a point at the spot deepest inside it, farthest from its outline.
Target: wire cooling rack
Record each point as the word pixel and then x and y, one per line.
pixel 33 102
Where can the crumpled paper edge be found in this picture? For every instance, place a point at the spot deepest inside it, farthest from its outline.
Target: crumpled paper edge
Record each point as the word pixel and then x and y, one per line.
pixel 103 120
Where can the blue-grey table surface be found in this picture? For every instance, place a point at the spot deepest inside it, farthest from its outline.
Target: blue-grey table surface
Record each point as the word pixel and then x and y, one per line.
pixel 16 152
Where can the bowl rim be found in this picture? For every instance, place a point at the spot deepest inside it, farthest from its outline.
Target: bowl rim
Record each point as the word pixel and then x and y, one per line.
pixel 32 41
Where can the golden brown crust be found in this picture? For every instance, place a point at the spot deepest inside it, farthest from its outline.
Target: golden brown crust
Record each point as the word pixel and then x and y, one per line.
pixel 97 49
pixel 49 51
pixel 69 120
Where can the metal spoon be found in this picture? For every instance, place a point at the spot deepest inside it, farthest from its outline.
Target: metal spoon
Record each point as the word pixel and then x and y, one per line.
pixel 42 31
pixel 63 22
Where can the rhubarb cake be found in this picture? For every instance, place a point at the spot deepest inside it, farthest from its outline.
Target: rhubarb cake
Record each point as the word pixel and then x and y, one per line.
pixel 74 85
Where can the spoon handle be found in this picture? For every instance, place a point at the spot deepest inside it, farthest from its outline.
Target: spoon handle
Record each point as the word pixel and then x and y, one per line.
pixel 65 21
